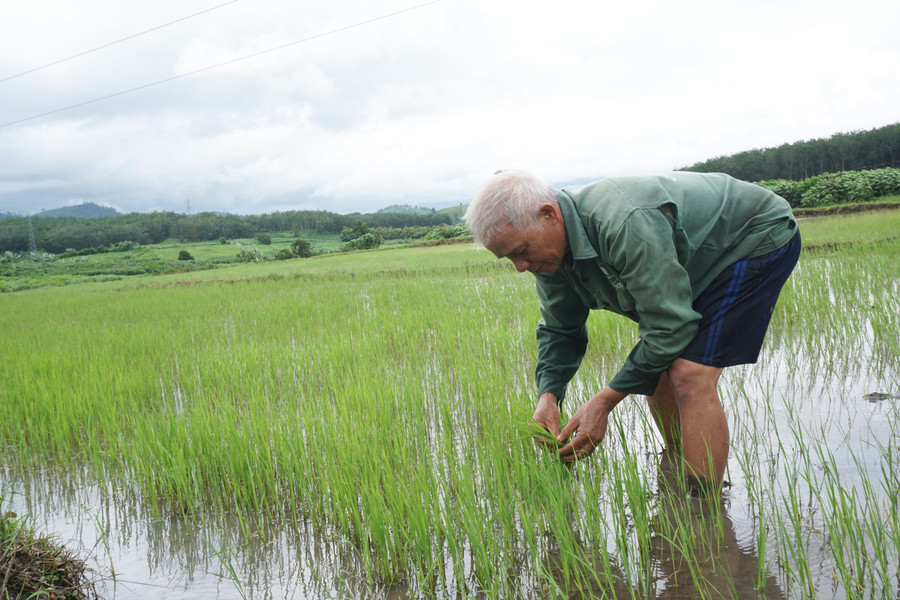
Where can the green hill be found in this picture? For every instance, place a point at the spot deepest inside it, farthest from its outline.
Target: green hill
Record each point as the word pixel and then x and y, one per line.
pixel 406 209
pixel 456 212
pixel 84 210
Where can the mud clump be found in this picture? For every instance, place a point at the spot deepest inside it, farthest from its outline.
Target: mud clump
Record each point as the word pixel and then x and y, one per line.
pixel 33 566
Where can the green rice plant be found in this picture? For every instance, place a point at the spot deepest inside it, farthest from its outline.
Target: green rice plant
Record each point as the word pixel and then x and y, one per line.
pixel 852 229
pixel 383 400
pixel 840 506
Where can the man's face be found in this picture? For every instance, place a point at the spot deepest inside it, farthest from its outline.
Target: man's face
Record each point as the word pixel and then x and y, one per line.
pixel 538 250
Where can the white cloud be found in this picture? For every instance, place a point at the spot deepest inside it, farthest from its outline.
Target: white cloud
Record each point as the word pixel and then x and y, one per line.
pixel 420 106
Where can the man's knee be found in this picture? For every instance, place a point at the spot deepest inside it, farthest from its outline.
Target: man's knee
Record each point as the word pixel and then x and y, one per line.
pixel 689 378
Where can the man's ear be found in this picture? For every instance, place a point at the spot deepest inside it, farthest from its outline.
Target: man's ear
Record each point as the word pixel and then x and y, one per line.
pixel 550 211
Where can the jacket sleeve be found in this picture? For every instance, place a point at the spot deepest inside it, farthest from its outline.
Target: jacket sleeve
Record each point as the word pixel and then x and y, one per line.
pixel 561 334
pixel 643 251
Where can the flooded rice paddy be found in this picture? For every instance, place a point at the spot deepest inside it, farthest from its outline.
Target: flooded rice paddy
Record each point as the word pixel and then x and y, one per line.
pixel 352 437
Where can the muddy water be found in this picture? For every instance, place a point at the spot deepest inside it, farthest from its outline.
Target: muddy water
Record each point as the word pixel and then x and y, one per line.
pixel 852 413
pixel 145 557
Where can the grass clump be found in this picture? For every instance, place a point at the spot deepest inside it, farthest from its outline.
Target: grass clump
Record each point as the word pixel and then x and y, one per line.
pixel 37 566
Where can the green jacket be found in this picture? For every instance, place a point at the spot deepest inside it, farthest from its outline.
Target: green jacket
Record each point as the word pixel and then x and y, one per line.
pixel 628 256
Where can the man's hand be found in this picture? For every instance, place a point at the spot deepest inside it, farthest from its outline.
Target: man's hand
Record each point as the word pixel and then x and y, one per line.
pixel 590 422
pixel 546 415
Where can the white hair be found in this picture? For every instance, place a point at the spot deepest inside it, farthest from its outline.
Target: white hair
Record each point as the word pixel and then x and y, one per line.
pixel 510 198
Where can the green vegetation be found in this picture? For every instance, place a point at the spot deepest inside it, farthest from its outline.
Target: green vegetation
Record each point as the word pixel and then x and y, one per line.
pixel 20 271
pixel 854 228
pixel 367 241
pixel 61 234
pixel 382 399
pixel 446 232
pixel 360 237
pixel 300 248
pixel 832 189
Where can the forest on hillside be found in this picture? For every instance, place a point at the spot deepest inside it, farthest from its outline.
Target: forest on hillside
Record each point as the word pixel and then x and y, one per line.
pixel 854 151
pixel 58 234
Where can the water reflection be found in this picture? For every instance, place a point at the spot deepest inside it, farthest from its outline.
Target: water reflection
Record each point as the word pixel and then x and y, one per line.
pixel 693 551
pixel 696 547
pixel 693 548
pixel 146 556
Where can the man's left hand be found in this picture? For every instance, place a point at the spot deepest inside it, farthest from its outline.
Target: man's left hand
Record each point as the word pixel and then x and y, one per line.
pixel 546 415
pixel 590 422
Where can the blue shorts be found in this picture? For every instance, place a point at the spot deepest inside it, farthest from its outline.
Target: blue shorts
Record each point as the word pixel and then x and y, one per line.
pixel 736 308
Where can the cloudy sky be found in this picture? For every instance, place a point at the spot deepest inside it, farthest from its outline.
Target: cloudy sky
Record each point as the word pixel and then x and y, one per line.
pixel 353 105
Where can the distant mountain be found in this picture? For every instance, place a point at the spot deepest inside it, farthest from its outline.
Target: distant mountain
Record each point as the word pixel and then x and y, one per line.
pixel 406 209
pixel 456 212
pixel 85 210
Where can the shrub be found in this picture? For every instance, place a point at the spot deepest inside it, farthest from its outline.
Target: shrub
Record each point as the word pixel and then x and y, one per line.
pixel 410 232
pixel 445 232
pixel 883 182
pixel 359 229
pixel 124 246
pixel 367 241
pixel 829 188
pixel 251 255
pixel 185 255
pixel 792 191
pixel 264 239
pixel 851 186
pixel 837 188
pixel 40 256
pixel 301 248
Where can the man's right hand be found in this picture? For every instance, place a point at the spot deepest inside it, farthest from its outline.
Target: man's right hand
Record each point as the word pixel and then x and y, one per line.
pixel 546 415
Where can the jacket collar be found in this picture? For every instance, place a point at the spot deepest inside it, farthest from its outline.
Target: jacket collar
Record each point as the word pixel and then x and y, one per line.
pixel 580 247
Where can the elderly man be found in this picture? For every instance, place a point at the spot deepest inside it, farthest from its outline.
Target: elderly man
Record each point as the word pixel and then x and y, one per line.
pixel 697 260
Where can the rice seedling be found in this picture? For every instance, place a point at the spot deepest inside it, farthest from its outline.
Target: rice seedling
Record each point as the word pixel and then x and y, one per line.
pixel 863 227
pixel 377 406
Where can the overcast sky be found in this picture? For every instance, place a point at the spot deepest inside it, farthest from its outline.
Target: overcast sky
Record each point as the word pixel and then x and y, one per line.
pixel 369 103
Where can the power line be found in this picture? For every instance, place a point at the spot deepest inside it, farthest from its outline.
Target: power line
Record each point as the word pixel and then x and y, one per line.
pixel 124 39
pixel 221 64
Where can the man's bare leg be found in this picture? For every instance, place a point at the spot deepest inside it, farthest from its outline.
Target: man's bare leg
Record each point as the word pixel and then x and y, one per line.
pixel 704 427
pixel 664 409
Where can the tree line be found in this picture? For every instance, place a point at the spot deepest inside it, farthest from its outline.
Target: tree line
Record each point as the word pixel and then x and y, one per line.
pixel 854 151
pixel 58 234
